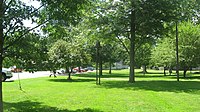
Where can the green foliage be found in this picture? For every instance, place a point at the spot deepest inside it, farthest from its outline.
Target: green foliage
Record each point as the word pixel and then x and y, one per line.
pixel 189 42
pixel 31 53
pixel 68 53
pixel 143 55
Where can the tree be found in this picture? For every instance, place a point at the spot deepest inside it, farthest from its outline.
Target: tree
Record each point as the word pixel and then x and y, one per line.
pixel 164 53
pixel 14 12
pixel 66 54
pixel 143 56
pixel 134 21
pixel 189 42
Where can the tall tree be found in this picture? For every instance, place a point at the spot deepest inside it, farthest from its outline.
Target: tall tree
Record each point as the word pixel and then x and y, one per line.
pixel 65 54
pixel 134 21
pixel 1 51
pixel 14 12
pixel 189 42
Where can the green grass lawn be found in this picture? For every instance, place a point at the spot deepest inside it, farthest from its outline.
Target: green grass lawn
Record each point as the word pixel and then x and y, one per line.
pixel 150 93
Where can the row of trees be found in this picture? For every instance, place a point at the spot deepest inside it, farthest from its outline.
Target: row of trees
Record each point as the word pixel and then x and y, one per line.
pixel 140 32
pixel 189 44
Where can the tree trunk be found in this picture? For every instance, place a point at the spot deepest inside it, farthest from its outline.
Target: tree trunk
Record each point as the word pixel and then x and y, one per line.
pixel 144 69
pixel 170 70
pixel 1 52
pixel 177 57
pixel 69 74
pixel 1 96
pixel 67 70
pixel 132 48
pixel 184 72
pixel 164 71
pixel 100 67
pixel 110 67
pixel 79 69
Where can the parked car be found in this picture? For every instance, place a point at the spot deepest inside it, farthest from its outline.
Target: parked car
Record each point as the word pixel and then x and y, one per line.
pixel 6 74
pixel 15 70
pixel 61 71
pixel 77 69
pixel 89 68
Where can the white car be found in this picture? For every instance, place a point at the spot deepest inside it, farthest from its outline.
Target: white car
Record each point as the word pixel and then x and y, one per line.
pixel 6 74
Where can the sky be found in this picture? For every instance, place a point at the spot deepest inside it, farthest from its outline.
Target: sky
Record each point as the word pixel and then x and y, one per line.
pixel 36 4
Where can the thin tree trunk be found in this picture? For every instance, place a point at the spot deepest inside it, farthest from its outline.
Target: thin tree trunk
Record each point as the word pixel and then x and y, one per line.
pixel 100 67
pixel 1 96
pixel 170 70
pixel 144 69
pixel 69 74
pixel 184 72
pixel 79 69
pixel 177 57
pixel 164 71
pixel 110 67
pixel 132 48
pixel 67 70
pixel 1 52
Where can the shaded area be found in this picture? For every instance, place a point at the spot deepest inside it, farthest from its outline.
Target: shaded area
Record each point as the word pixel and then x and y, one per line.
pixel 141 72
pixel 104 75
pixel 72 80
pixel 116 75
pixel 169 86
pixel 29 106
pixel 9 80
pixel 192 77
pixel 188 77
pixel 149 76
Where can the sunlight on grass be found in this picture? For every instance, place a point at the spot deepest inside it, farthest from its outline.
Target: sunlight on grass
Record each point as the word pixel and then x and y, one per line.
pixel 151 92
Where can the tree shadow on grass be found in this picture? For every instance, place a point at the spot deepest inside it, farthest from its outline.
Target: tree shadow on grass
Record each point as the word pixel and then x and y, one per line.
pixel 72 80
pixel 187 77
pixel 103 76
pixel 140 72
pixel 122 75
pixel 168 86
pixel 29 106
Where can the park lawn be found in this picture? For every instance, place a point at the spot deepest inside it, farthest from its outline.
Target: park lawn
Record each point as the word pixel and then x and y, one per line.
pixel 152 92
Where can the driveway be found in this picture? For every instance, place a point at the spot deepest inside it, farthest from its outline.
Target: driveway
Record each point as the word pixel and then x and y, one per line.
pixel 26 75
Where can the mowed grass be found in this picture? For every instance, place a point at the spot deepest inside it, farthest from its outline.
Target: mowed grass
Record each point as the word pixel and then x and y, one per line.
pixel 152 92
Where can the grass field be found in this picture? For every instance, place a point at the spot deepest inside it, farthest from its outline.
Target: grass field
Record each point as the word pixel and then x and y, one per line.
pixel 150 93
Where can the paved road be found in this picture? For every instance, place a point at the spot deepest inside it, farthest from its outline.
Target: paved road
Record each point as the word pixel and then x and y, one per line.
pixel 26 75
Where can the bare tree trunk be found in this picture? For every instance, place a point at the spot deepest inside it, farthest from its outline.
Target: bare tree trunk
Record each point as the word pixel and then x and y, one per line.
pixel 110 67
pixel 164 71
pixel 79 69
pixel 132 48
pixel 170 70
pixel 184 71
pixel 177 57
pixel 67 70
pixel 1 53
pixel 1 96
pixel 100 67
pixel 144 69
pixel 69 74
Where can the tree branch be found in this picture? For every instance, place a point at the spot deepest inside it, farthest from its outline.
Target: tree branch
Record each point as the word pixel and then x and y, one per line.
pixel 21 36
pixel 123 44
pixel 7 5
pixel 10 28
